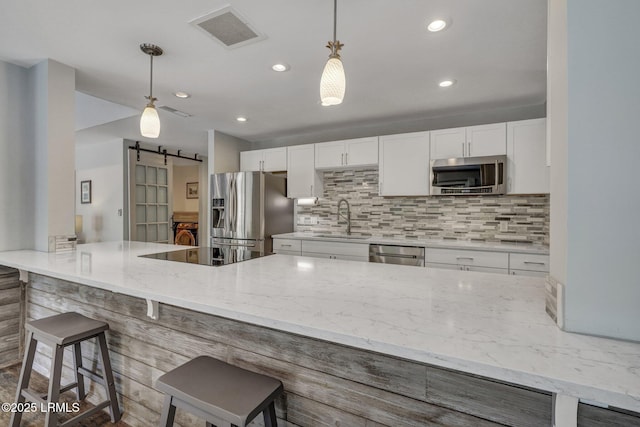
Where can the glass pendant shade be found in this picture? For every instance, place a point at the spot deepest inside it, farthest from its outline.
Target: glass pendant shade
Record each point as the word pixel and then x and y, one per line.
pixel 150 122
pixel 333 82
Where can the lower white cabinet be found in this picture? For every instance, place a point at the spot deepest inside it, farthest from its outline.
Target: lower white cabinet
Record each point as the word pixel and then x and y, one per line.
pixel 528 273
pixel 463 267
pixel 468 258
pixel 528 264
pixel 287 246
pixel 336 250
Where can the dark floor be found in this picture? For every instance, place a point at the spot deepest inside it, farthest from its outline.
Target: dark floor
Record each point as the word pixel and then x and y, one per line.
pixel 8 383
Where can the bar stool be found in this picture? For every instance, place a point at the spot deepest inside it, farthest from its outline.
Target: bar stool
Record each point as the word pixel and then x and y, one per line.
pixel 61 331
pixel 222 394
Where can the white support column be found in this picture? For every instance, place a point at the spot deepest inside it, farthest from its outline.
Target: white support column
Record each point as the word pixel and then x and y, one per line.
pixel 565 410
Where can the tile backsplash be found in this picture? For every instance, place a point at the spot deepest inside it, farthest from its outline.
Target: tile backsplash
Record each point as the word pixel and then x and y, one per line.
pixel 482 218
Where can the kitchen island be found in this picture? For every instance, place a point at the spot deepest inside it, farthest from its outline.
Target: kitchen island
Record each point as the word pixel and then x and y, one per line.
pixel 356 344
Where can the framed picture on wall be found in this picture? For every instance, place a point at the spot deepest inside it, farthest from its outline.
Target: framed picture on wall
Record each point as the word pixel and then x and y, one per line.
pixel 85 191
pixel 192 190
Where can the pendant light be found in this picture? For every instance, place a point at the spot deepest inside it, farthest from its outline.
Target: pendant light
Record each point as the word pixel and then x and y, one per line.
pixel 150 121
pixel 333 82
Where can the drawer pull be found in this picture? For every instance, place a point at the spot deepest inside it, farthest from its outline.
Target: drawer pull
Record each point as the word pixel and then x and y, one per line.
pixel 534 263
pixel 464 257
pixel 396 255
pixel 285 246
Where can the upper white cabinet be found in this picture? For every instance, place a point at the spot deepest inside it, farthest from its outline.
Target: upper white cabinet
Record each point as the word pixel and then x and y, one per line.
pixel 268 160
pixel 448 143
pixel 527 170
pixel 349 153
pixel 404 164
pixel 302 178
pixel 472 141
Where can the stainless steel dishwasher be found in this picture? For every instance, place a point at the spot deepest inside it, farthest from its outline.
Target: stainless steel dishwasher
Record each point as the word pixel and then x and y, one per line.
pixel 392 254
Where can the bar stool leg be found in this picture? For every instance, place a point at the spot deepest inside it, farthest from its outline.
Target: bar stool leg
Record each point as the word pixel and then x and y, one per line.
pixel 77 363
pixel 269 415
pixel 25 376
pixel 168 412
pixel 51 418
pixel 109 382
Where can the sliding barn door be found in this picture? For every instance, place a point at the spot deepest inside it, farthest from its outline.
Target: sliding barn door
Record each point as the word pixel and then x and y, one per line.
pixel 150 200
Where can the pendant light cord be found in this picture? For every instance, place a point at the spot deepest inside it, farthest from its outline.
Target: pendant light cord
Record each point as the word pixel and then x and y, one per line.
pixel 335 19
pixel 151 81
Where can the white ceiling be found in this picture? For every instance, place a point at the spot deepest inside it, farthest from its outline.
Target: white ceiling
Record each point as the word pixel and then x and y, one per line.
pixel 495 49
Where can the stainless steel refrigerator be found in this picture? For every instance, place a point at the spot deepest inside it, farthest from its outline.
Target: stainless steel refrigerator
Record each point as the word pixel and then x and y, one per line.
pixel 247 208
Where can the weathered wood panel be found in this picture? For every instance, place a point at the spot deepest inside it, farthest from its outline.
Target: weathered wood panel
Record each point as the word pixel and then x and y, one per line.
pixel 593 416
pixel 11 316
pixel 325 383
pixel 496 401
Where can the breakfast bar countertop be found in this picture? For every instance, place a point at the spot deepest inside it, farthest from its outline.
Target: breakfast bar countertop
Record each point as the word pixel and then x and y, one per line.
pixel 480 323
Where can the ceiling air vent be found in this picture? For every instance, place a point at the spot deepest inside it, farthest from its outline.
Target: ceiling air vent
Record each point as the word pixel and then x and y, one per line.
pixel 228 27
pixel 174 111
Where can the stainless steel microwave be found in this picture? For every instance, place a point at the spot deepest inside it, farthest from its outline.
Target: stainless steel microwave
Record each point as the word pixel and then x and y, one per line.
pixel 469 176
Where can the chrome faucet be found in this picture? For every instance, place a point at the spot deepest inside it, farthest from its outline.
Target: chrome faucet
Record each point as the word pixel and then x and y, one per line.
pixel 348 217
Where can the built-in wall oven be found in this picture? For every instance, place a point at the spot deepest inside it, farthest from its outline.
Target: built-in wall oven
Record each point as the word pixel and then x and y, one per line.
pixel 468 176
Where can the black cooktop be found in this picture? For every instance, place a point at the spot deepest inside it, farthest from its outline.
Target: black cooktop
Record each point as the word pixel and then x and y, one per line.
pixel 214 257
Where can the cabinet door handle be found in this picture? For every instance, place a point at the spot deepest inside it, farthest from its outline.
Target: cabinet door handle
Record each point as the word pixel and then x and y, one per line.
pixel 468 149
pixel 534 263
pixel 346 158
pixel 463 150
pixel 342 159
pixel 465 257
pixel 285 246
pixel 311 190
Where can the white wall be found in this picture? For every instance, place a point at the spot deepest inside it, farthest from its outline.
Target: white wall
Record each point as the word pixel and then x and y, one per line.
pixel 226 152
pixel 17 180
pixel 557 104
pixel 52 90
pixel 602 289
pixel 102 163
pixel 182 175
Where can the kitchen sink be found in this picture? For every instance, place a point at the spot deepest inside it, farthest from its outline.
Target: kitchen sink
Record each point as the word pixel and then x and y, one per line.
pixel 342 236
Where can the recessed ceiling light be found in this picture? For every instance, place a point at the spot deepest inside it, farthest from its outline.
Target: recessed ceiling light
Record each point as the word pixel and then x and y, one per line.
pixel 241 119
pixel 437 25
pixel 182 95
pixel 447 83
pixel 280 67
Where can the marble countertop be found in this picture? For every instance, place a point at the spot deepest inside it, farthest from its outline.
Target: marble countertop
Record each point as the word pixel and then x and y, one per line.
pixel 526 248
pixel 480 323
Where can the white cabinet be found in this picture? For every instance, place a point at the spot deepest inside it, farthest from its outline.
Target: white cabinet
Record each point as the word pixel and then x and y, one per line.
pixel 302 178
pixel 287 246
pixel 404 164
pixel 336 250
pixel 448 143
pixel 527 170
pixel 251 161
pixel 268 160
pixel 467 260
pixel 472 141
pixel 528 264
pixel 349 153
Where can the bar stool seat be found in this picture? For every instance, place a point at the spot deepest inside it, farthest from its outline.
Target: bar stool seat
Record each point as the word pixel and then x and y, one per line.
pixel 222 394
pixel 59 332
